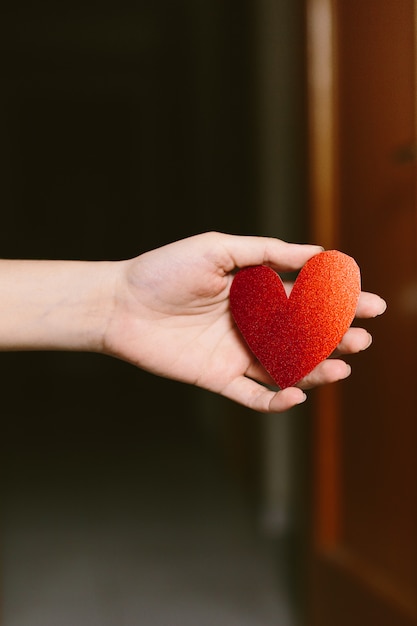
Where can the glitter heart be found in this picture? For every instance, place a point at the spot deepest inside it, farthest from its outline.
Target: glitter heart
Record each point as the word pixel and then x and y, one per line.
pixel 291 335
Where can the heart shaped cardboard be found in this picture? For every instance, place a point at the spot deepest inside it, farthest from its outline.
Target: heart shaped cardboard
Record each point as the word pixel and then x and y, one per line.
pixel 291 335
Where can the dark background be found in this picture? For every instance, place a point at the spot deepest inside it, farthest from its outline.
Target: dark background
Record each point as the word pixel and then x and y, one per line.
pixel 124 128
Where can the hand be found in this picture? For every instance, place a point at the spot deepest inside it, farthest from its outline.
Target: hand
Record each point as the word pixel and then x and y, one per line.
pixel 171 317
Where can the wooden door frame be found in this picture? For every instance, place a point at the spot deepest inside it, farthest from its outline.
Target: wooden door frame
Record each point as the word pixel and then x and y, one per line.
pixel 322 120
pixel 324 212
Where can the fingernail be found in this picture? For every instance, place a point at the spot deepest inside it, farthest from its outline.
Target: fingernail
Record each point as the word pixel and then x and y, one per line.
pixel 302 399
pixel 348 370
pixel 369 342
pixel 383 307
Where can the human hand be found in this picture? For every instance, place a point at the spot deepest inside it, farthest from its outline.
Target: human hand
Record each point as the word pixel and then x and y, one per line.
pixel 171 317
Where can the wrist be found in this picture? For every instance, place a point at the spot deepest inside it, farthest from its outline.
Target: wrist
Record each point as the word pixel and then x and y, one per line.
pixel 82 320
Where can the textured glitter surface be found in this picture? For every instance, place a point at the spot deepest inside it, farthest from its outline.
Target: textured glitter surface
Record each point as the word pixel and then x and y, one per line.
pixel 290 336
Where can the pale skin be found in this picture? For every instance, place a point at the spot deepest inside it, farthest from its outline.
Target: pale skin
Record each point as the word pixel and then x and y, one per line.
pixel 165 311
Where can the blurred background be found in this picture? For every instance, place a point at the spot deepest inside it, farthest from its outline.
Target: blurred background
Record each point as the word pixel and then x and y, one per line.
pixel 128 499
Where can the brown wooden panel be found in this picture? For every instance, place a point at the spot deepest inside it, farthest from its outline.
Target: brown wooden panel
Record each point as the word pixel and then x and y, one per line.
pixel 364 568
pixel 378 226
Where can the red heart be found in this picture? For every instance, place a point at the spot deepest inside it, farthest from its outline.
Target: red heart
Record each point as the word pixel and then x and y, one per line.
pixel 291 335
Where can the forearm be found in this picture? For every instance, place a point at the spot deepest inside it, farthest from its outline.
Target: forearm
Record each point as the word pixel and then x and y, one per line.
pixel 54 305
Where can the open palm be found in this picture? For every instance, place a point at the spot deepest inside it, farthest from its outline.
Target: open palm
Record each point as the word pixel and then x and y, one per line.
pixel 171 317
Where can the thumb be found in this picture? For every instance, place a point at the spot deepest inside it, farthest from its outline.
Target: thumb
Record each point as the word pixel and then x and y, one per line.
pixel 247 250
